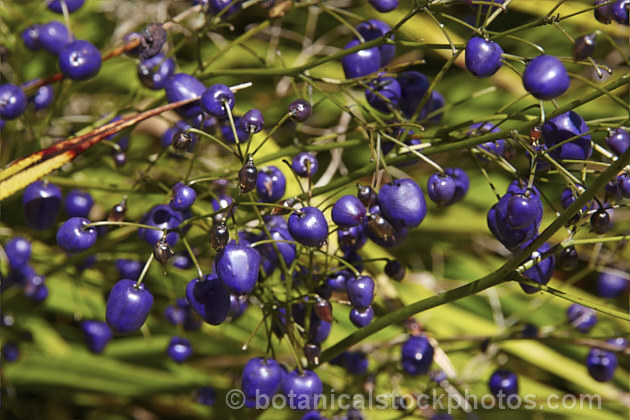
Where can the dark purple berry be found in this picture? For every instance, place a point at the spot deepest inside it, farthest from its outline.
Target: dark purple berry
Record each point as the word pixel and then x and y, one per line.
pixel 348 211
pixel 128 307
pixel 53 37
pixel 620 11
pixel 182 197
pixel 583 47
pixel 30 36
pixel 308 226
pixel 581 317
pixel 219 236
pixel 323 309
pixel 155 71
pixel 402 202
pixel 181 141
pixel 367 195
pixel 118 212
pixel 74 237
pixel 96 335
pixel 252 122
pixel 413 86
pixel 10 352
pixel 128 269
pixel 567 259
pixel 362 62
pixel 312 352
pixel 361 317
pixel 270 184
pixel 79 60
pixel 163 217
pixel 162 252
pixel 302 389
pixel 483 58
pixel 78 203
pixel 351 238
pixel 611 284
pixel 441 188
pixel 71 5
pixel 601 222
pixel 383 94
pixel 152 39
pixel 247 176
pixel 35 289
pixel 417 355
pixel 237 265
pixel 503 384
pixel 618 141
pixel 218 6
pixel 541 272
pixel 18 250
pixel 360 291
pixel 299 110
pixel 305 164
pixel 523 210
pixel 623 184
pixel 545 77
pixel 395 270
pixel 373 29
pixel 179 349
pixel 603 13
pixel 601 364
pixel 13 101
pixel 356 363
pixel 216 98
pixel 565 126
pixel 205 395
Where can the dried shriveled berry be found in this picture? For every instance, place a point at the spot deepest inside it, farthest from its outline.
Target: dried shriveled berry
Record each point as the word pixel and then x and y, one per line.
pixel 162 251
pixel 312 353
pixel 219 236
pixel 181 141
pixel 153 39
pixel 567 259
pixel 600 222
pixel 118 212
pixel 583 47
pixel 247 176
pixel 323 309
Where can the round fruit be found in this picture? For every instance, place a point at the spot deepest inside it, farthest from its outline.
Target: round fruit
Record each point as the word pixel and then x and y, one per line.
pixel 601 364
pixel 182 86
pixel 618 141
pixel 41 203
pixel 96 335
pixel 362 62
pixel 395 270
pixel 373 29
pixel 128 269
pixel 155 71
pixel 383 94
pixel 541 272
pixel 302 390
pixel 179 349
pixel 568 259
pixel 413 86
pixel 205 395
pixel 270 184
pixel 610 284
pixel 503 384
pixel 74 237
pixel 384 6
pixel 601 222
pixel 356 363
pixel 402 202
pixel 417 355
pixel 621 11
pixel 583 47
pixel 351 239
pixel 53 36
pixel 523 210
pixel 603 13
pixel 581 317
pixel 261 377
pixel 361 317
pixel 238 265
pixel 545 77
pixel 360 291
pixel 78 203
pixel 462 184
pixel 308 226
pixel 18 250
pixel 299 110
pixel 441 188
pixel 209 298
pixel 42 98
pixel 163 217
pixel 216 98
pixel 348 211
pixel 128 307
pixel 71 5
pixel 565 126
pixel 182 197
pixel 13 101
pixel 304 163
pixel 623 184
pixel 483 58
pixel 252 122
pixel 30 36
pixel 79 60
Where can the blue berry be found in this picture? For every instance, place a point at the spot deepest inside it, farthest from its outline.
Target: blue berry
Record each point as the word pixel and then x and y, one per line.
pixel 618 141
pixel 361 317
pixel 252 122
pixel 503 384
pixel 205 395
pixel 545 77
pixel 402 202
pixel 373 29
pixel 351 238
pixel 237 265
pixel 78 203
pixel 209 298
pixel 383 94
pixel 128 269
pixel 620 11
pixel 74 237
pixel 41 203
pixel 53 37
pixel 270 184
pixel 462 183
pixel 179 349
pixel 348 211
pixel 565 126
pixel 163 217
pixel 356 363
pixel 483 58
pixel 128 307
pixel 71 5
pixel 601 364
pixel 79 60
pixel 215 99
pixel 96 335
pixel 441 188
pixel 384 6
pixel 360 291
pixel 155 71
pixel 299 110
pixel 308 226
pixel 182 197
pixel 362 62
pixel 610 284
pixel 417 355
pixel 10 352
pixel 303 388
pixel 13 101
pixel 261 377
pixel 304 163
pixel 18 250
pixel 30 37
pixel 541 272
pixel 581 317
pixel 228 134
pixel 35 289
pixel 182 86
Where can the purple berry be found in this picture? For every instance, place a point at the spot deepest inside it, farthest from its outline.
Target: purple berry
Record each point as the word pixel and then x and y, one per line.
pixel 261 377
pixel 96 335
pixel 604 13
pixel 53 37
pixel 163 217
pixel 373 29
pixel 79 60
pixel 618 141
pixel 302 390
pixel 362 62
pixel 545 77
pixel 581 317
pixel 252 122
pixel 42 98
pixel 10 352
pixel 565 126
pixel 308 226
pixel 155 71
pixel 299 110
pixel 71 5
pixel 583 47
pixel 179 349
pixel 348 211
pixel 441 188
pixel 413 86
pixel 304 163
pixel 182 197
pixel 541 272
pixel 238 265
pixel 402 202
pixel 35 289
pixel 13 101
pixel 128 307
pixel 620 11
pixel 78 203
pixel 41 203
pixel 462 184
pixel 30 36
pixel 74 237
pixel 361 317
pixel 128 269
pixel 601 364
pixel 18 250
pixel 417 355
pixel 215 99
pixel 205 395
pixel 270 184
pixel 611 284
pixel 503 384
pixel 384 6
pixel 182 86
pixel 360 291
pixel 483 58
pixel 209 298
pixel 383 94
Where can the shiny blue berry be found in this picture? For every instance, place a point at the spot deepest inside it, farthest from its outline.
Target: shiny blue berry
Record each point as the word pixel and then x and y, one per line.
pixel 216 98
pixel 305 163
pixel 483 58
pixel 155 71
pixel 79 60
pixel 209 298
pixel 13 101
pixel 545 77
pixel 308 226
pixel 417 355
pixel 74 237
pixel 96 335
pixel 362 62
pixel 179 349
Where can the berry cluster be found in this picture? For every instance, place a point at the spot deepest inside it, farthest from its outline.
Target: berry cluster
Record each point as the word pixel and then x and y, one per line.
pixel 250 202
